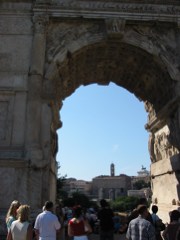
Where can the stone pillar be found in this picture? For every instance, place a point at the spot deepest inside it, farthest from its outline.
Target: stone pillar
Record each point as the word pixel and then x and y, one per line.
pixel 100 193
pixel 111 194
pixel 34 153
pixel 35 82
pixel 164 148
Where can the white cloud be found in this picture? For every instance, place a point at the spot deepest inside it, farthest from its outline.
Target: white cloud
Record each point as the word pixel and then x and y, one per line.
pixel 115 147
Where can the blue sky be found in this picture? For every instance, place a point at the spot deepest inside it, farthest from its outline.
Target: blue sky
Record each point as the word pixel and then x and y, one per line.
pixel 102 125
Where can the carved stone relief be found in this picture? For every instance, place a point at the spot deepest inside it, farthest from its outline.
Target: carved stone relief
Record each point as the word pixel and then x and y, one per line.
pixel 115 26
pixel 151 148
pixel 159 146
pixel 134 6
pixel 158 40
pixel 55 124
pixel 150 110
pixel 174 126
pixel 69 36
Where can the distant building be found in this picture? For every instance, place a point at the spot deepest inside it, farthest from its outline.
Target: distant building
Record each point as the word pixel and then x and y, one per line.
pixel 136 193
pixel 73 185
pixel 143 174
pixel 110 187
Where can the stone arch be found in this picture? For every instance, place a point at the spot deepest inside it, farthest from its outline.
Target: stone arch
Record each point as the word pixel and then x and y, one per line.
pixel 110 62
pixel 138 59
pixel 45 44
pixel 65 43
pixel 159 40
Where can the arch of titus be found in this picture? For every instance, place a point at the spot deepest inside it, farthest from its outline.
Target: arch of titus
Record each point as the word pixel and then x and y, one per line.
pixel 48 48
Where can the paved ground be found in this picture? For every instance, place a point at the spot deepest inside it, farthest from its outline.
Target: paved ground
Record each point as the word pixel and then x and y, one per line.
pixel 116 237
pixel 91 237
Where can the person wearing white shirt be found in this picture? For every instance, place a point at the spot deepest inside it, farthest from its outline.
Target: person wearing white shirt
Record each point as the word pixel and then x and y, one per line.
pixel 47 224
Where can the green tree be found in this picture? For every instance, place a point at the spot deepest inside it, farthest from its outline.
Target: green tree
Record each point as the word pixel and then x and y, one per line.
pixel 81 199
pixel 124 203
pixel 61 194
pixel 141 184
pixel 78 199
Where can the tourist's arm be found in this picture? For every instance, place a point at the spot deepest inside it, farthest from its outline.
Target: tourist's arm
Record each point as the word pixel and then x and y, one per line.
pixel 70 234
pixel 9 236
pixel 57 225
pixel 29 232
pixel 36 227
pixel 128 233
pixel 87 226
pixel 36 233
pixel 164 234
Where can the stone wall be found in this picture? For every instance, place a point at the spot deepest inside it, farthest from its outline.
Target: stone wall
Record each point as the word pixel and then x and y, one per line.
pixel 15 51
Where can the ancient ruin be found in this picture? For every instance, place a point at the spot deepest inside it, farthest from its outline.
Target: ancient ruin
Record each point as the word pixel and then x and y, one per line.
pixel 49 48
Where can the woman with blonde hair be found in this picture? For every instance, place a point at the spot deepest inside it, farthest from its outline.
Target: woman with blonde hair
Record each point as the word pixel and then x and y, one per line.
pixel 21 229
pixel 12 213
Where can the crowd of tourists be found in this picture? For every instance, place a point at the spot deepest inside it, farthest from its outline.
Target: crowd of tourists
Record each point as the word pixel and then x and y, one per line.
pixel 62 223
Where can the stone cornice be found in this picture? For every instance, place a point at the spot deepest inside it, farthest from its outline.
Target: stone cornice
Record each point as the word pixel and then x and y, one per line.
pixel 110 9
pixel 162 2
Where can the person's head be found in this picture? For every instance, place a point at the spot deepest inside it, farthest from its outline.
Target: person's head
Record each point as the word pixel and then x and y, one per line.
pixel 142 210
pixel 48 206
pixel 154 209
pixel 78 212
pixel 175 215
pixel 103 203
pixel 13 209
pixel 23 213
pixel 143 201
pixel 59 209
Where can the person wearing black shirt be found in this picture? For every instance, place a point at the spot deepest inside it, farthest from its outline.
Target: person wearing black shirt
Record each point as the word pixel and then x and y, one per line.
pixel 105 216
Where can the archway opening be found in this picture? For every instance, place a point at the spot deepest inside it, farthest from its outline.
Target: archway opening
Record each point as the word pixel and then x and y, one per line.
pixel 102 125
pixel 115 62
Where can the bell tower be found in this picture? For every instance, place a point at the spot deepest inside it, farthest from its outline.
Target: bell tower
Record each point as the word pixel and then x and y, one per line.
pixel 112 170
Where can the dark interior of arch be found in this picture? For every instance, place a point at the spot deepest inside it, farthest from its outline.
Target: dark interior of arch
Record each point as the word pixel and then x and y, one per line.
pixel 127 66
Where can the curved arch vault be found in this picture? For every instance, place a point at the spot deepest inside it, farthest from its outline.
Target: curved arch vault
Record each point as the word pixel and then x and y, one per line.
pixel 66 44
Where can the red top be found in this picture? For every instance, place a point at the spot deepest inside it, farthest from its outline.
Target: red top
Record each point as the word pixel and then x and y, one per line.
pixel 77 227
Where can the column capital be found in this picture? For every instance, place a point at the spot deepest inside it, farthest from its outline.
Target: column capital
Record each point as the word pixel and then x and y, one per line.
pixel 40 23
